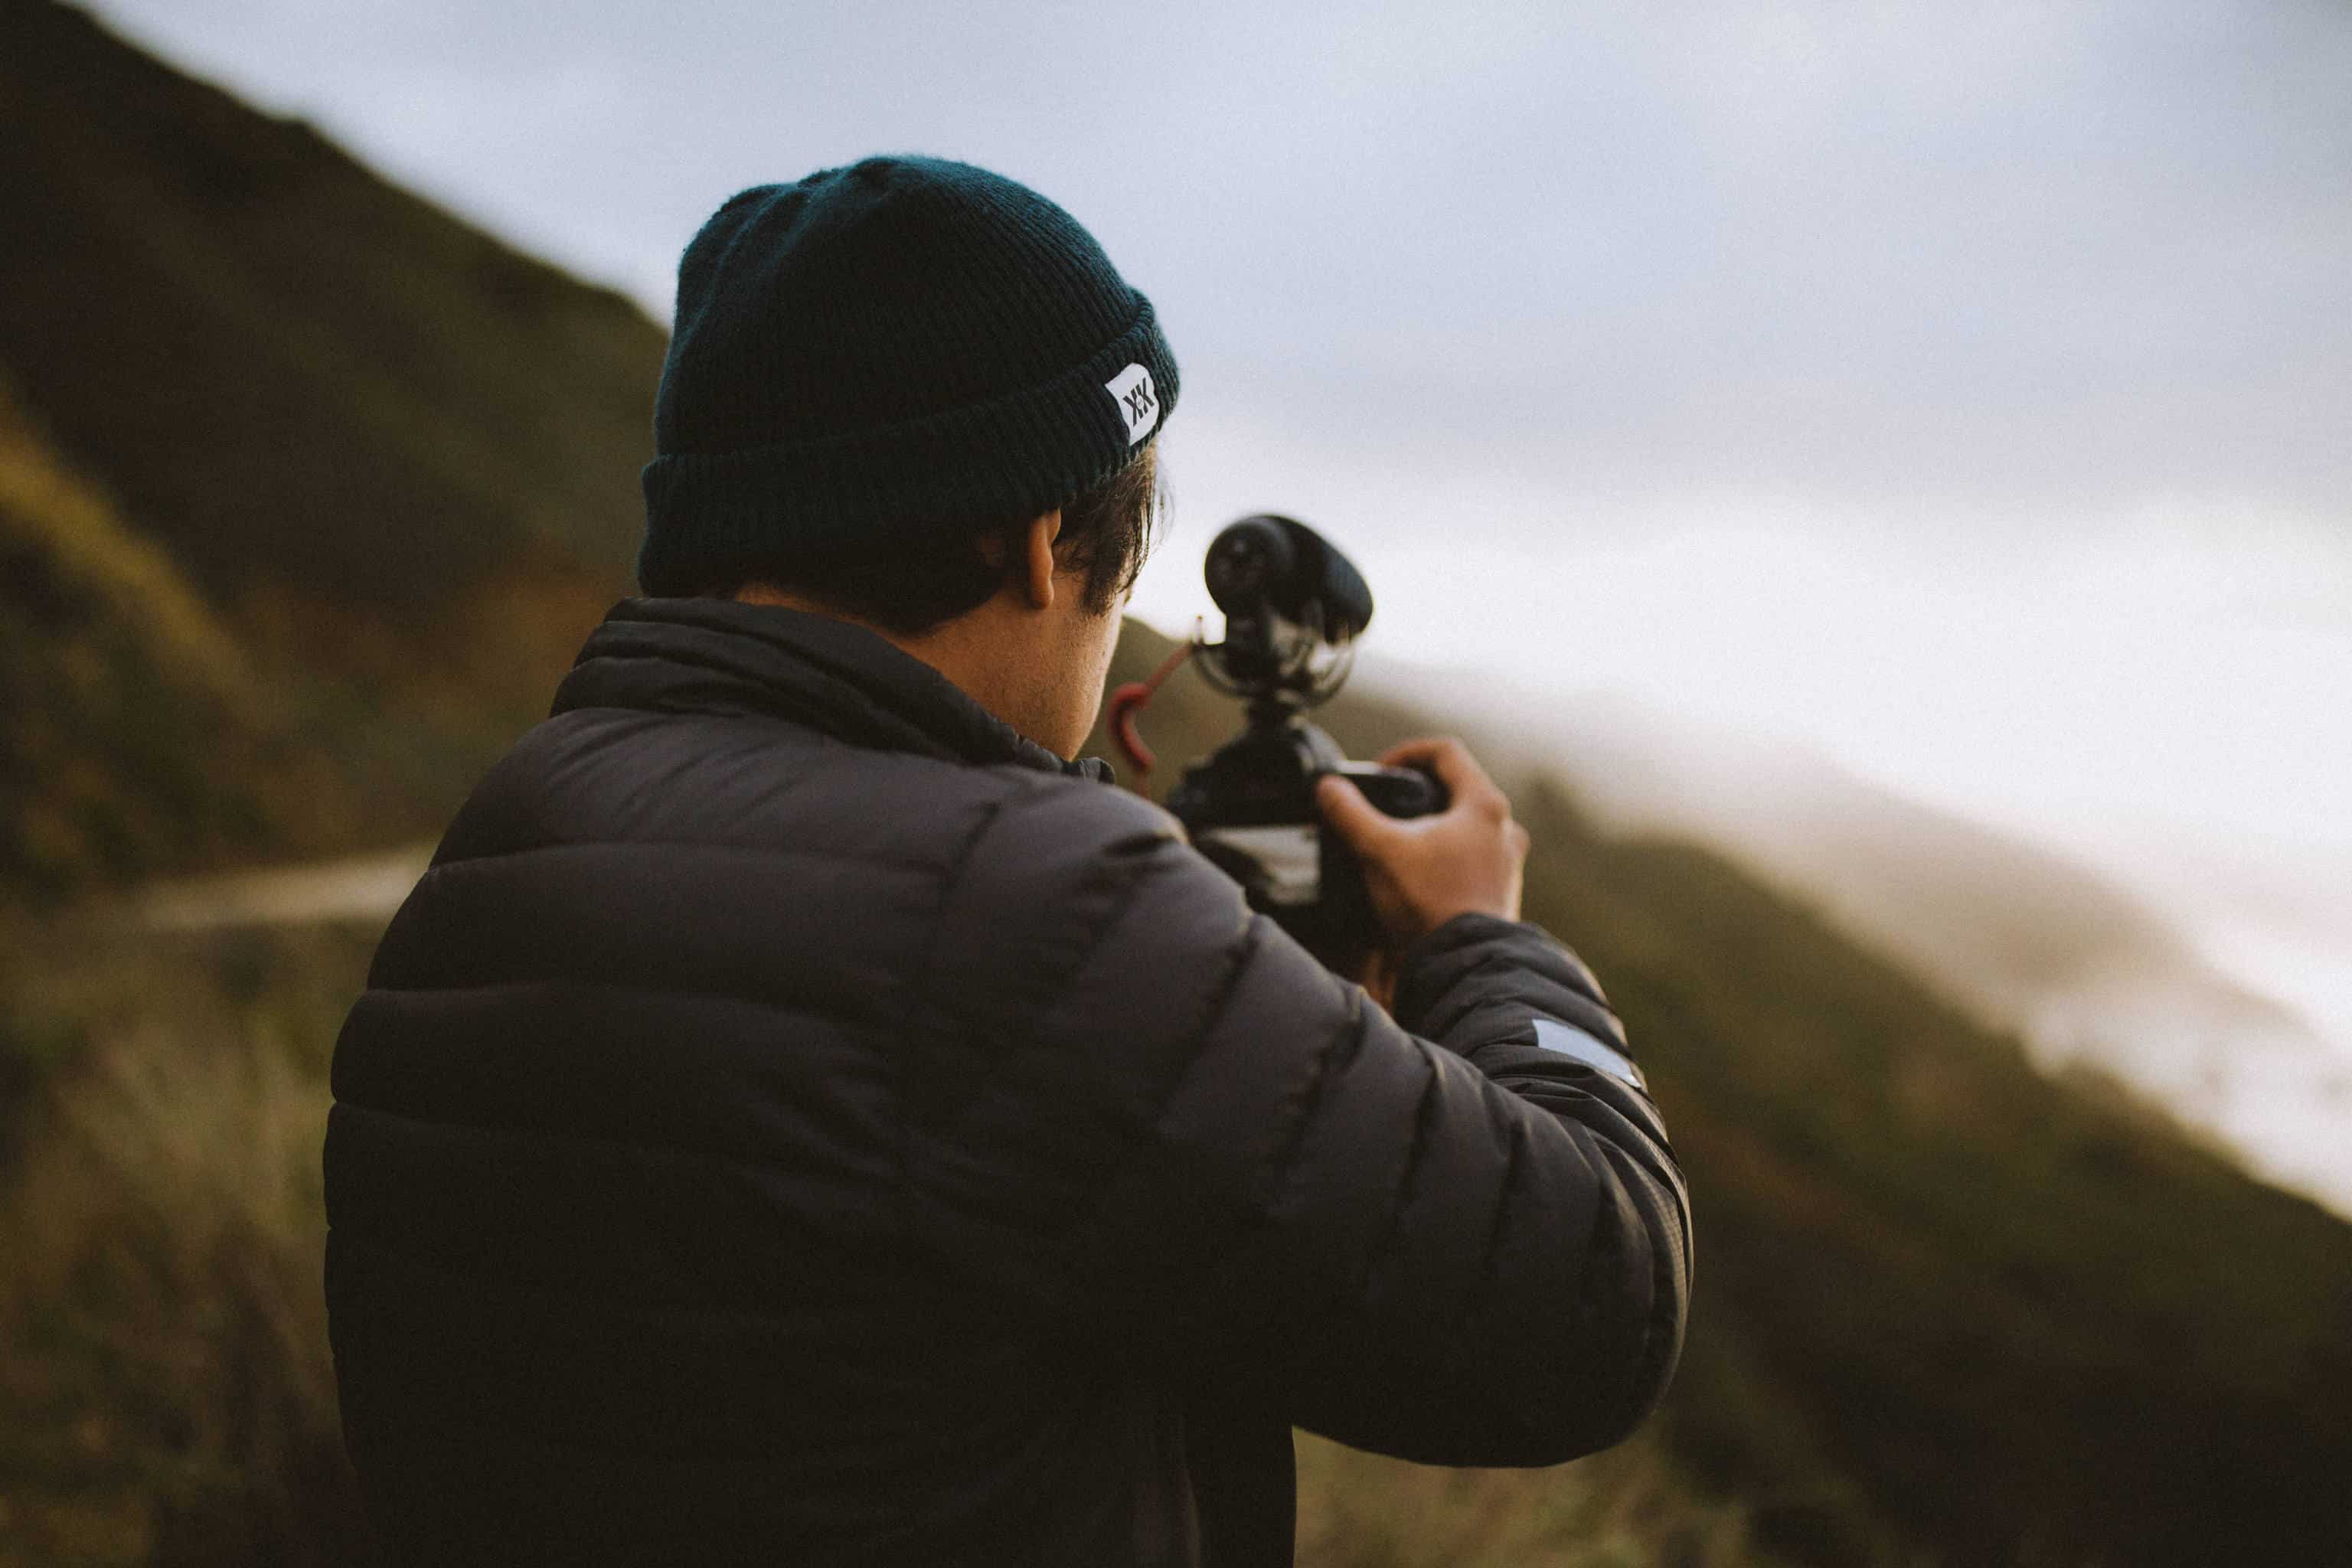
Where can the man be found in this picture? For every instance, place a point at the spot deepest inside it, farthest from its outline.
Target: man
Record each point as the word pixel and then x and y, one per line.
pixel 803 1118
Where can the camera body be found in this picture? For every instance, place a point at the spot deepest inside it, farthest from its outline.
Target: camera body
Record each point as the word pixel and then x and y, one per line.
pixel 1294 606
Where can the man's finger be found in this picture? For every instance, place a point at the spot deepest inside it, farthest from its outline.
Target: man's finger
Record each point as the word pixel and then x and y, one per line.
pixel 1465 781
pixel 1358 820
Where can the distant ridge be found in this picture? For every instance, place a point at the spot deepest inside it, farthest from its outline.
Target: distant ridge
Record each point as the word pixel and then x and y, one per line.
pixel 2027 936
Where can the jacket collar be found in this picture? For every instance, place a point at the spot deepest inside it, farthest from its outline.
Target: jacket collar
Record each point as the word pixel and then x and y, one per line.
pixel 697 656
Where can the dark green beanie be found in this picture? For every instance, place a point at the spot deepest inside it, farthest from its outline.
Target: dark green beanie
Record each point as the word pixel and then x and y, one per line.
pixel 891 351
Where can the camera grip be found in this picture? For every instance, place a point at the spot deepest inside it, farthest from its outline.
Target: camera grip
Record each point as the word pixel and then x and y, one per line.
pixel 1397 792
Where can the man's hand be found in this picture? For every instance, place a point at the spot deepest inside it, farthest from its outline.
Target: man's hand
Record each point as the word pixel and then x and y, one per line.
pixel 1421 871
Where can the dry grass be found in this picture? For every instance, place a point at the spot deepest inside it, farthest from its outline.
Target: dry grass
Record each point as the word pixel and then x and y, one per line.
pixel 74 525
pixel 1627 1508
pixel 166 1390
pixel 165 1339
pixel 166 1394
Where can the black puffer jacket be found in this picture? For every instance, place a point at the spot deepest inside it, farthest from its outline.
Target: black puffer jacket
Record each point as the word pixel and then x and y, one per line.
pixel 798 1120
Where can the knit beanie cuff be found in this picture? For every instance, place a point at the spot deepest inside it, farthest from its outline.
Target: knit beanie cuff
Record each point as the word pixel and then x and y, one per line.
pixel 919 481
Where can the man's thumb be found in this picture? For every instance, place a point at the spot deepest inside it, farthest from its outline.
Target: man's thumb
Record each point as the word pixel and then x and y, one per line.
pixel 1345 809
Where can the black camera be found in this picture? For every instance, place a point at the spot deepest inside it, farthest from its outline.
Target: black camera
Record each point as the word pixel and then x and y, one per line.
pixel 1294 606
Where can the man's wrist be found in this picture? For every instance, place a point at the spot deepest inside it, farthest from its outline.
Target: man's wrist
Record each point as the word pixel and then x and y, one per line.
pixel 1456 929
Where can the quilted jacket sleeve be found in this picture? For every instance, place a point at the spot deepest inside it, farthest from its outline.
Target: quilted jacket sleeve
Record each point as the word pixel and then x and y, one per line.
pixel 1458 1235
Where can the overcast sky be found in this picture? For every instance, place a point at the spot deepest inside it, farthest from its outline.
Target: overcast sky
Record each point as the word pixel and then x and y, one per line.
pixel 1966 390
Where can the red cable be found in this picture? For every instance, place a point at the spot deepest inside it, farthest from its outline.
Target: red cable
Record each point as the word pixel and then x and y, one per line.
pixel 1119 718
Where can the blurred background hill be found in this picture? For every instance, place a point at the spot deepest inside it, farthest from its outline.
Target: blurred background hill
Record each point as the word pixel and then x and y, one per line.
pixel 2029 937
pixel 1951 1303
pixel 308 491
pixel 372 456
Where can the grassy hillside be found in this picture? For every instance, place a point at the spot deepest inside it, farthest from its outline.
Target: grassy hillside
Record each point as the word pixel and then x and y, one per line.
pixel 1962 1281
pixel 393 460
pixel 138 731
pixel 1944 1303
pixel 120 691
pixel 165 1392
pixel 295 374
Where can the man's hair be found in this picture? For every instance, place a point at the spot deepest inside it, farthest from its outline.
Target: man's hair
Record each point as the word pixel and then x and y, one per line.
pixel 1107 532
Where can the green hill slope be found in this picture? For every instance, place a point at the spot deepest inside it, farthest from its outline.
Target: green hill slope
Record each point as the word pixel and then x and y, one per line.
pixel 295 374
pixel 394 459
pixel 389 460
pixel 1945 1303
pixel 119 692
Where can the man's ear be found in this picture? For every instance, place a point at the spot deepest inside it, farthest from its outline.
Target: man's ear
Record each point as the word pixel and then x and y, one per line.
pixel 1037 562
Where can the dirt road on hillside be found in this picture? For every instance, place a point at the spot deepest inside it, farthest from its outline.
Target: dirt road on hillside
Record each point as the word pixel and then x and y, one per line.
pixel 363 888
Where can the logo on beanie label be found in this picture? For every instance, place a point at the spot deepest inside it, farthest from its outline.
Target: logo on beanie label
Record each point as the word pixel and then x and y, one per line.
pixel 1139 404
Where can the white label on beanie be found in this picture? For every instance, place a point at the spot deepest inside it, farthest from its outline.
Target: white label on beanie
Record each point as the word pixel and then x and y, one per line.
pixel 1138 403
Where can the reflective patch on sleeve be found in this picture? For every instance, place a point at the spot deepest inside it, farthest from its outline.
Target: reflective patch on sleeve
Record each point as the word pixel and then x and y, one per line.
pixel 1569 1041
